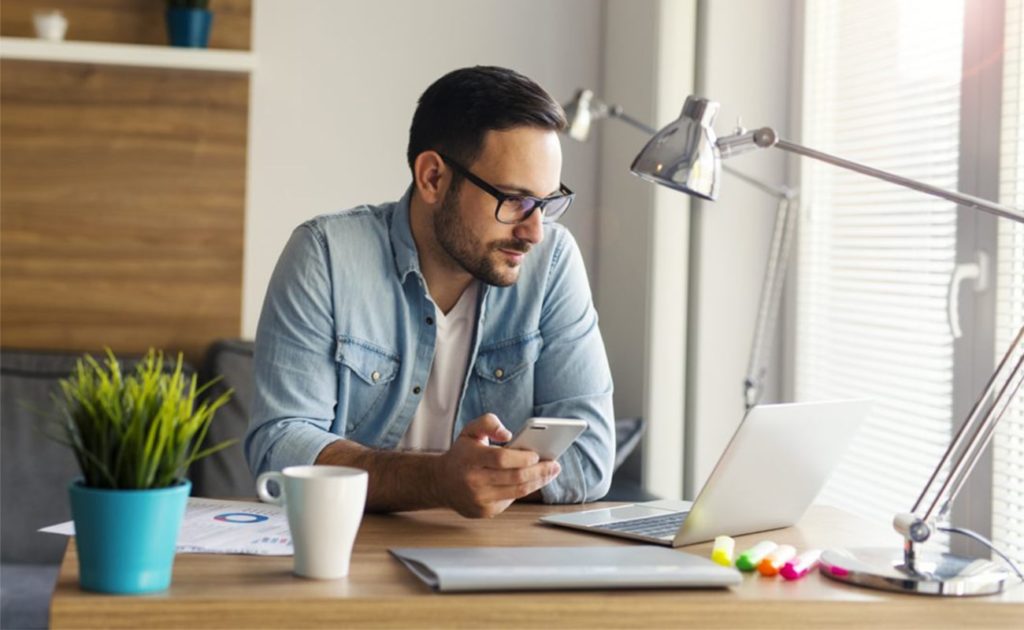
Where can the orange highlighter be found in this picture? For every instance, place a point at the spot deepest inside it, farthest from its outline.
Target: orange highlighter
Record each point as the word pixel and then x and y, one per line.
pixel 800 565
pixel 774 561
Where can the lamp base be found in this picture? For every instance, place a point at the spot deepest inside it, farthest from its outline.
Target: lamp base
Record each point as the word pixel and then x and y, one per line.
pixel 933 573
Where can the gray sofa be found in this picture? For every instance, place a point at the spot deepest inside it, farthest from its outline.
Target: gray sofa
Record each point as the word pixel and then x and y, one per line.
pixel 34 474
pixel 36 470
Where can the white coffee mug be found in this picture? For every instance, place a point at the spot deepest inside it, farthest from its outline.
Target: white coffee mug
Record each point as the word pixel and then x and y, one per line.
pixel 324 506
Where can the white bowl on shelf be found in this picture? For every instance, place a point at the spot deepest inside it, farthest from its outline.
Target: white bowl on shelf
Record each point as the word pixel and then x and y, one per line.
pixel 50 25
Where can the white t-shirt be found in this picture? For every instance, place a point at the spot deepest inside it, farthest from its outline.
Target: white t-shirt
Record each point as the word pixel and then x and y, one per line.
pixel 431 427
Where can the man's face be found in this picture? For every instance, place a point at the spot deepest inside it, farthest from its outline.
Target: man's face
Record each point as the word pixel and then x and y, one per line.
pixel 524 161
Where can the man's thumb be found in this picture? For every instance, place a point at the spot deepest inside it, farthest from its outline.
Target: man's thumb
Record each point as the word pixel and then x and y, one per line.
pixel 487 427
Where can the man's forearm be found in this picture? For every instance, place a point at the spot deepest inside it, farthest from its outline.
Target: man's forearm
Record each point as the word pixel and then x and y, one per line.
pixel 397 481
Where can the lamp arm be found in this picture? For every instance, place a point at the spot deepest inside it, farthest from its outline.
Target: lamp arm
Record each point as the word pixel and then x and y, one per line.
pixel 615 111
pixel 782 192
pixel 771 292
pixel 916 528
pixel 986 428
pixel 766 137
pixel 964 467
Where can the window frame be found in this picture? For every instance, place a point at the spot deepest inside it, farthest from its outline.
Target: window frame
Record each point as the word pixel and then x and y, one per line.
pixel 975 354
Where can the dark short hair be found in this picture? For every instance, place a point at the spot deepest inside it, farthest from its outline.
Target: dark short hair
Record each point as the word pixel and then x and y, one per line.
pixel 456 111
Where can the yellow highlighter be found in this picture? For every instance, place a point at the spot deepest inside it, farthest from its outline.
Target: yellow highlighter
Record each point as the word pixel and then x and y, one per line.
pixel 725 546
pixel 773 562
pixel 752 557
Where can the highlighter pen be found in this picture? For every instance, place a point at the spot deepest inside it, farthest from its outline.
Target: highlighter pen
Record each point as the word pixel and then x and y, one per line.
pixel 752 557
pixel 771 564
pixel 800 565
pixel 725 546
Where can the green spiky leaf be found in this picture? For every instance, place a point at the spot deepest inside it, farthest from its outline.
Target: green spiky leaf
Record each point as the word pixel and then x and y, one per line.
pixel 136 430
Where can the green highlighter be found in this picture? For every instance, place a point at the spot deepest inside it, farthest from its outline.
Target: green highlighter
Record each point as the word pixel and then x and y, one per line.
pixel 752 557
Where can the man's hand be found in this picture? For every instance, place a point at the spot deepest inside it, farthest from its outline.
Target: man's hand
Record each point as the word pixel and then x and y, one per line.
pixel 478 480
pixel 473 478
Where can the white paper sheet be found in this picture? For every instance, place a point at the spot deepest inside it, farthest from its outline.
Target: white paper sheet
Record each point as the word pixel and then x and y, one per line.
pixel 218 526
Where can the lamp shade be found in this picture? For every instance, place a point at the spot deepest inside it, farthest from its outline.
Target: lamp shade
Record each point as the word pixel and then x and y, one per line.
pixel 683 155
pixel 579 115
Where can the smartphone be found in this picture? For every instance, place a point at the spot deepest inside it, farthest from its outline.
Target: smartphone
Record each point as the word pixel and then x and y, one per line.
pixel 548 437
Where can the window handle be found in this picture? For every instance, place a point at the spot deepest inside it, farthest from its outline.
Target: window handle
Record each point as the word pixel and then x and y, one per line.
pixel 975 271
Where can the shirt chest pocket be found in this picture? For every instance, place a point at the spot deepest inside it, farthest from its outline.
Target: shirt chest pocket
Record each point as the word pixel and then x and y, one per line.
pixel 505 376
pixel 365 371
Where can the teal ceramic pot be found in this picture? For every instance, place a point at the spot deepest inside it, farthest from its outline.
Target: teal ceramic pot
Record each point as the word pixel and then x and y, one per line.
pixel 189 27
pixel 126 538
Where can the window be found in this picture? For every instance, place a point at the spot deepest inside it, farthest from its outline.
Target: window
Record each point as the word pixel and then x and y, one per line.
pixel 1008 445
pixel 882 87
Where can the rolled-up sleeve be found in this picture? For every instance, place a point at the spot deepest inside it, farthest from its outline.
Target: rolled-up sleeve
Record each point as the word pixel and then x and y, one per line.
pixel 294 372
pixel 573 379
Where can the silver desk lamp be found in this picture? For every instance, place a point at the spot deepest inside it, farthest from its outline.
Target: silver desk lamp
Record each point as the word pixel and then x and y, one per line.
pixel 686 156
pixel 585 108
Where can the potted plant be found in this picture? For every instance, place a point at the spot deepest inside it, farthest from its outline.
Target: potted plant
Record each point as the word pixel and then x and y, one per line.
pixel 188 22
pixel 134 434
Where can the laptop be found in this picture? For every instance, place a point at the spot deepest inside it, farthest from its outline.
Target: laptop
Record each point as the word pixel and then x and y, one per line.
pixel 776 463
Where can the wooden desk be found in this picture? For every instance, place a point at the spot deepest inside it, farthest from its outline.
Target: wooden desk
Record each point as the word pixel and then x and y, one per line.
pixel 260 592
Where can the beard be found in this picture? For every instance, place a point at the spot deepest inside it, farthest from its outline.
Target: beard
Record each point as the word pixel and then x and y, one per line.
pixel 483 261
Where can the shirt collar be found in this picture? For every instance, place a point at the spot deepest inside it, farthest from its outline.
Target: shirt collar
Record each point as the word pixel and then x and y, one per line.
pixel 402 244
pixel 407 259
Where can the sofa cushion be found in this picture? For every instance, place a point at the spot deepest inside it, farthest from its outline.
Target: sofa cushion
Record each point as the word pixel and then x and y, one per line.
pixel 34 470
pixel 225 474
pixel 25 594
pixel 628 433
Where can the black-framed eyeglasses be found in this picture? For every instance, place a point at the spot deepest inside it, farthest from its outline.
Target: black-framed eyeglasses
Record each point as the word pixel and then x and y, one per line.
pixel 512 209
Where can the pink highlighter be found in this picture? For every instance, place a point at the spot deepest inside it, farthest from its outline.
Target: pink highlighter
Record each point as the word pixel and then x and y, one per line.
pixel 801 565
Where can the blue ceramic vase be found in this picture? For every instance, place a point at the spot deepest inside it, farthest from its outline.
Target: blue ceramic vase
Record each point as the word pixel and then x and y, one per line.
pixel 189 27
pixel 126 538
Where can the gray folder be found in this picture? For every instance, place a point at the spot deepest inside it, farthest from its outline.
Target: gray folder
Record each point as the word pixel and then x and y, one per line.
pixel 558 568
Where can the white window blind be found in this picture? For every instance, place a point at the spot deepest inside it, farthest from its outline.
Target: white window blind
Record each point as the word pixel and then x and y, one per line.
pixel 1008 445
pixel 882 87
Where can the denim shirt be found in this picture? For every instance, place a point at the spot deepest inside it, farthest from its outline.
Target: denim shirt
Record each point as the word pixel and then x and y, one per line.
pixel 346 340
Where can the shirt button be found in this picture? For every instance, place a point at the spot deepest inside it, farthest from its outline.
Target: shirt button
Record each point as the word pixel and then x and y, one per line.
pixel 499 372
pixel 375 376
pixel 416 390
pixel 430 321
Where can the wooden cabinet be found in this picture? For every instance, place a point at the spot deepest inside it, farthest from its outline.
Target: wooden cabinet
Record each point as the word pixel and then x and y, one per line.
pixel 122 181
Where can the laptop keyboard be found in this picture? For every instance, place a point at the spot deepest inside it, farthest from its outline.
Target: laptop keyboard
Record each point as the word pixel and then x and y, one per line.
pixel 653 526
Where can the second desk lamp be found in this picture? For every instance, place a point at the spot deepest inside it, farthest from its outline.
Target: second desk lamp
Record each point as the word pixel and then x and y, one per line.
pixel 585 108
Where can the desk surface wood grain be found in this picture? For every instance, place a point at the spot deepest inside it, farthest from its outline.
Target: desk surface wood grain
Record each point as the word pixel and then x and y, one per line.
pixel 210 591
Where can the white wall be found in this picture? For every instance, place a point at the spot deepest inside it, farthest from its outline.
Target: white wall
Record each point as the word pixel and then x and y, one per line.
pixel 333 97
pixel 337 85
pixel 643 231
pixel 679 280
pixel 745 65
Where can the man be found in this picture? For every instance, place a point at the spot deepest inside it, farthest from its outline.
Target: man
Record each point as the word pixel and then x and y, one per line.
pixel 461 310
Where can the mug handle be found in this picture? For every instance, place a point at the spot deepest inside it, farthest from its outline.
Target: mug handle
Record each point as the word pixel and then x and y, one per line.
pixel 261 487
